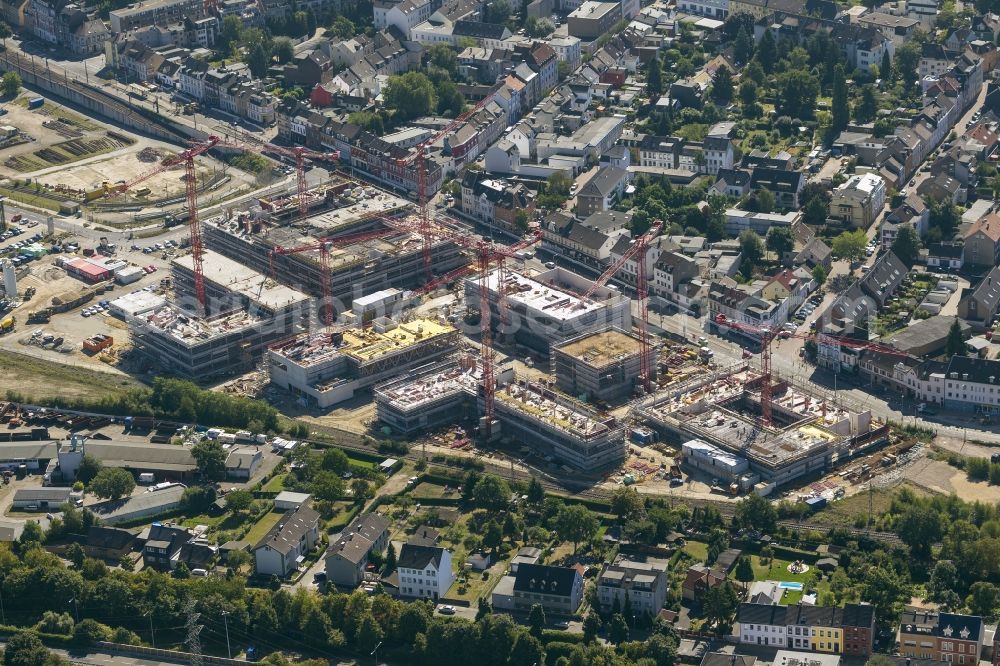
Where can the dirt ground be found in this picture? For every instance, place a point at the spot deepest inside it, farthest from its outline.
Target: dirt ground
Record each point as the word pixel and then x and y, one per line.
pixel 126 164
pixel 940 477
pixel 38 378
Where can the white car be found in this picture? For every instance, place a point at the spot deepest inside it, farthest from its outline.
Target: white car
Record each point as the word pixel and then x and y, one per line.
pixel 446 610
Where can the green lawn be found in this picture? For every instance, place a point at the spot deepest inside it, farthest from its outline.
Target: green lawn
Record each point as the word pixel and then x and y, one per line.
pixel 697 550
pixel 775 569
pixel 276 484
pixel 429 490
pixel 791 597
pixel 475 588
pixel 267 521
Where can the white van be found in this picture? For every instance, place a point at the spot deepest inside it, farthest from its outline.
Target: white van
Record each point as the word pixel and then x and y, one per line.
pixel 199 572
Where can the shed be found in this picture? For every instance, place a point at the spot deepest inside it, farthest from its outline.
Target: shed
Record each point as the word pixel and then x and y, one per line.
pixel 827 564
pixel 289 501
pixel 387 465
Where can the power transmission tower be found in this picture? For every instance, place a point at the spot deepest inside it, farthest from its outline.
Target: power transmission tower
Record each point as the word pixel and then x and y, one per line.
pixel 193 640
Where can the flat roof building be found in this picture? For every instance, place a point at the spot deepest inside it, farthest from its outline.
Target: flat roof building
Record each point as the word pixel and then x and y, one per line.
pixel 143 505
pixel 600 366
pixel 329 368
pixel 549 308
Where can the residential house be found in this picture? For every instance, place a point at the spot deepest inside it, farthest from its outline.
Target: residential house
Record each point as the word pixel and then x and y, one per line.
pixel 672 272
pixel 745 304
pixel 847 630
pixel 942 637
pixel 982 242
pixel 641 586
pixel 163 546
pixel 424 571
pixel 283 548
pixel 347 556
pixel 496 201
pixel 912 213
pixel 897 28
pixel 732 183
pixel 559 590
pixel 946 255
pixel 784 184
pixel 585 240
pixel 858 201
pixel 593 19
pixel 243 462
pixel 700 579
pixel 604 189
pixel 979 305
pixel 108 543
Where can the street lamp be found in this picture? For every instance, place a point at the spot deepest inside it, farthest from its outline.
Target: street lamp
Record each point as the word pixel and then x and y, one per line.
pixel 225 618
pixel 375 652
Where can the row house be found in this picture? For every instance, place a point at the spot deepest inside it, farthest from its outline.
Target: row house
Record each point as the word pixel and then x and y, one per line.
pixel 862 47
pixel 847 630
pixel 636 585
pixel 709 156
pixel 65 24
pixel 745 304
pixel 155 12
pixel 590 240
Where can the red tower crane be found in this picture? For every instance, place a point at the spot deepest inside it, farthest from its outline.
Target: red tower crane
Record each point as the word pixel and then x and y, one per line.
pixel 767 335
pixel 323 247
pixel 420 160
pixel 638 251
pixel 299 154
pixel 186 158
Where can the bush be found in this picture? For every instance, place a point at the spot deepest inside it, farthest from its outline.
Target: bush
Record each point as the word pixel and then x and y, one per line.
pixel 88 632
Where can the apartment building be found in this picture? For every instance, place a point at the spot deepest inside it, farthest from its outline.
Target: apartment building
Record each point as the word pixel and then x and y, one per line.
pixel 859 201
pixel 156 12
pixel 424 571
pixel 280 551
pixel 644 586
pixel 945 637
pixel 559 590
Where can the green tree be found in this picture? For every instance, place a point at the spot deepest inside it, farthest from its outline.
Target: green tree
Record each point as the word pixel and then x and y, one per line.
pixel 752 250
pixel 536 493
pixel 239 501
pixel 765 201
pixel 867 107
pixel 343 28
pixel 369 634
pixel 767 52
pixel 722 85
pixel 591 626
pixel 491 493
pixel 954 346
pixel 906 60
pixel 88 631
pixel 850 245
pixel 368 121
pixel 88 469
pixel 283 50
pixel 797 92
pixel 25 649
pixel 819 274
pixel 743 46
pixel 654 78
pixel 906 246
pixel 410 95
pixel 780 240
pixel 210 458
pixel 390 559
pixel 10 84
pixel 983 599
pixel 536 620
pixel 493 535
pixel 618 629
pixel 258 59
pixel 755 512
pixel 526 650
pixel 335 460
pixel 626 503
pixel 841 106
pixel 719 604
pixel 443 57
pixel 113 483
pixel 327 486
pixel 449 99
pixel 576 523
pixel 748 92
pixel 229 34
pixel 744 571
pixel 360 489
pixel 497 11
pixel 886 68
pixel 815 212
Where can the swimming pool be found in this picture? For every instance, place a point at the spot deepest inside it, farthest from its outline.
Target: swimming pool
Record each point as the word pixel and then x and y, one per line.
pixel 790 585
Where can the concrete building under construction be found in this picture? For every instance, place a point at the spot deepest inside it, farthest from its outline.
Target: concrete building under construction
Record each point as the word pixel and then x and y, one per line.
pixel 549 309
pixel 601 366
pixel 330 368
pixel 527 414
pixel 356 269
pixel 245 312
pixel 809 433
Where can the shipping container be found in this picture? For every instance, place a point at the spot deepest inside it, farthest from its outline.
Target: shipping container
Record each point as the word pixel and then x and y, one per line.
pixel 36 102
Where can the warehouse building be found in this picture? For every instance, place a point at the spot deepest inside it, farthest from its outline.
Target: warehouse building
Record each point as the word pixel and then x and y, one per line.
pixel 175 462
pixel 549 309
pixel 141 506
pixel 329 368
pixel 40 499
pixel 599 366
pixel 34 456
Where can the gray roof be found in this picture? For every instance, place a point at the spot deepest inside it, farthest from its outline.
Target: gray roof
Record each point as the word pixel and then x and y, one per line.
pixel 125 509
pixel 42 495
pixel 417 556
pixel 28 450
pixel 167 457
pixel 542 578
pixel 241 458
pixel 288 532
pixel 603 182
pixel 722 659
pixel 357 539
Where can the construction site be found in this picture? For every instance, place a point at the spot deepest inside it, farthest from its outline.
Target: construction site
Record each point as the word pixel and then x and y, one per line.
pixel 806 434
